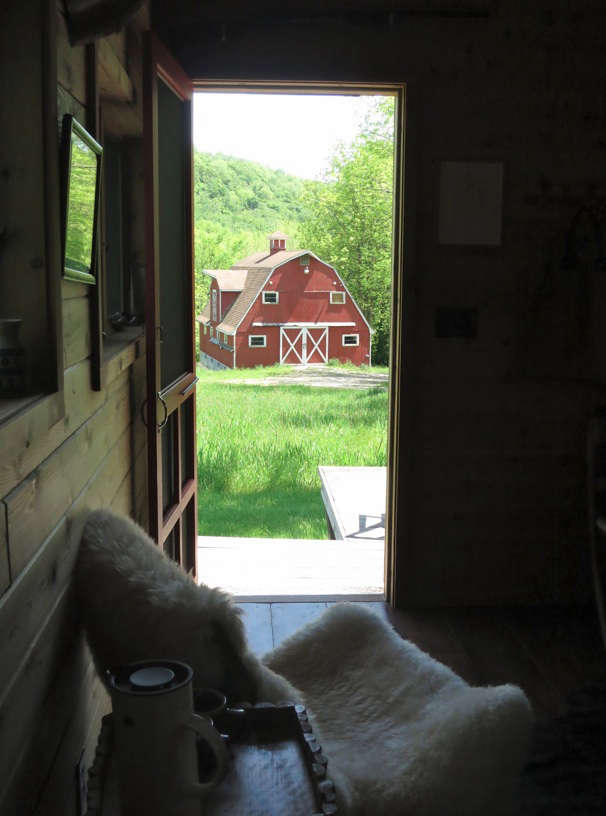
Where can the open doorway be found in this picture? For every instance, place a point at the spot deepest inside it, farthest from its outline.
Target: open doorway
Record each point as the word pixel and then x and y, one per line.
pixel 293 408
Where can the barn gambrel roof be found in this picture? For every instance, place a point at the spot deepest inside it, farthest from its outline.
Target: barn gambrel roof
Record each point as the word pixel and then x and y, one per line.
pixel 258 268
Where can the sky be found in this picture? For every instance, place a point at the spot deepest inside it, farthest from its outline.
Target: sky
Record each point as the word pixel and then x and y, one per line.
pixel 294 133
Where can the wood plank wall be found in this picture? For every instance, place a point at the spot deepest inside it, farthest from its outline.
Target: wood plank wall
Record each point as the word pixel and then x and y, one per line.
pixel 51 475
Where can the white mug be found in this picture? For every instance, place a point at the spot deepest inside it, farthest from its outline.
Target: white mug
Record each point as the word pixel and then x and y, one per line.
pixel 155 732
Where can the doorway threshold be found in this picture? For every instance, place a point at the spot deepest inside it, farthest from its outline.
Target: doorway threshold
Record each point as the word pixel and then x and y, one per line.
pixel 292 569
pixel 331 599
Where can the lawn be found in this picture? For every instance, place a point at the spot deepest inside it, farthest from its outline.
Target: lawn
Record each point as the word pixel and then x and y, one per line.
pixel 259 448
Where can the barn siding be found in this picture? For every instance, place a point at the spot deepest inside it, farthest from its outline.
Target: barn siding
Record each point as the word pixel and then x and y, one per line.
pixel 303 298
pixel 51 474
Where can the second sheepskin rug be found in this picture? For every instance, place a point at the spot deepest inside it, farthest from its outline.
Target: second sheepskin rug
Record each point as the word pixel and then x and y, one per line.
pixel 404 735
pixel 137 604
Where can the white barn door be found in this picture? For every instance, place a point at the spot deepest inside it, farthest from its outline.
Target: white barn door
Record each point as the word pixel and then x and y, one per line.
pixel 303 346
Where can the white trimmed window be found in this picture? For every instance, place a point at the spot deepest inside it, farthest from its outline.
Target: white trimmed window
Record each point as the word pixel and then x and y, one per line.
pixel 211 330
pixel 350 339
pixel 257 341
pixel 338 298
pixel 213 306
pixel 271 297
pixel 205 328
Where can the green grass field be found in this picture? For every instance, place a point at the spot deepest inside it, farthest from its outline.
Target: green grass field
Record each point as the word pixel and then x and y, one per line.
pixel 259 448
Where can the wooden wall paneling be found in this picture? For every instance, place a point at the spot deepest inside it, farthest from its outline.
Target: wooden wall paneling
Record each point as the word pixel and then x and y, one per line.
pixel 52 202
pixel 66 103
pixel 114 366
pixel 114 81
pixel 30 438
pixel 4 567
pixel 38 503
pixel 91 703
pixel 76 331
pixel 35 673
pixel 72 289
pixel 24 608
pixel 32 766
pixel 27 257
pixel 140 489
pixel 123 500
pixel 125 119
pixel 139 444
pixel 71 62
pixel 22 702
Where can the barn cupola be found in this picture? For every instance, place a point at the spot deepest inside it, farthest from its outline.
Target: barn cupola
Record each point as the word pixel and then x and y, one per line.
pixel 277 241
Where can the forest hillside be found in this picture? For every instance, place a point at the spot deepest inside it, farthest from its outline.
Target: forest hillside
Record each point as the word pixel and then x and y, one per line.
pixel 237 204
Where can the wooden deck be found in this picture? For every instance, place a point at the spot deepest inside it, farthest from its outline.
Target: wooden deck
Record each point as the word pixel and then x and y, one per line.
pixel 354 499
pixel 549 652
pixel 270 567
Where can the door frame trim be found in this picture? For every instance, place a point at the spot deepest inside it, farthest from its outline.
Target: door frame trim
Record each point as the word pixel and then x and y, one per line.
pixel 400 499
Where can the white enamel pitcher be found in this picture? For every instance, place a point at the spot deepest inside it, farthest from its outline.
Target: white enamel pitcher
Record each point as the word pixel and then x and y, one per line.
pixel 155 733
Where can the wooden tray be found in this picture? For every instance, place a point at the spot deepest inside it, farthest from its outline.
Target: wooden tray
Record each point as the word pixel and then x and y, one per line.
pixel 277 767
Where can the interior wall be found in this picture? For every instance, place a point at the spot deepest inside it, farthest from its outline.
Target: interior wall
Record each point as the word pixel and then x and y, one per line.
pixel 496 506
pixel 51 474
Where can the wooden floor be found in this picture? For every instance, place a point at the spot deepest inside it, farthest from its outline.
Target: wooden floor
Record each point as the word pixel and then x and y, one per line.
pixel 548 652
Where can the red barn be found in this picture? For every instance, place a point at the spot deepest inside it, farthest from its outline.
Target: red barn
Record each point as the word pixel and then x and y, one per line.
pixel 281 306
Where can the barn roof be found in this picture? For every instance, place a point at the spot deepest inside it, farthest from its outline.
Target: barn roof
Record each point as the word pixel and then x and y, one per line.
pixel 268 260
pixel 228 280
pixel 257 269
pixel 255 278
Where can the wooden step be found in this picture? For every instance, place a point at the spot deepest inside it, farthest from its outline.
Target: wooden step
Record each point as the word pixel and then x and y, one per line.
pixel 266 567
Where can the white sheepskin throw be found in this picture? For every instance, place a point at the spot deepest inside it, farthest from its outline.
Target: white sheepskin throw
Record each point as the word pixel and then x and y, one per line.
pixel 137 604
pixel 403 734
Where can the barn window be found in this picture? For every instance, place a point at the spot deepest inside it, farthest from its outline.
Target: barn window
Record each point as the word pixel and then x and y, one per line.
pixel 205 328
pixel 211 331
pixel 351 340
pixel 271 297
pixel 257 340
pixel 214 304
pixel 337 297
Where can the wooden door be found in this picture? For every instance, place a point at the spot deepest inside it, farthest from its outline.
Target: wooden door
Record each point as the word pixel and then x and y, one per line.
pixel 171 380
pixel 291 346
pixel 316 346
pixel 303 346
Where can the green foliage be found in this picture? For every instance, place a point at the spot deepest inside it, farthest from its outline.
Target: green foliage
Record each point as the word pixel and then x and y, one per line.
pixel 81 207
pixel 350 221
pixel 245 196
pixel 250 470
pixel 237 204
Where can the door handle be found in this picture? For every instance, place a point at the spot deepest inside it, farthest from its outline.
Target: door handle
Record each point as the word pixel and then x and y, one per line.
pixel 165 420
pixel 143 412
pixel 189 387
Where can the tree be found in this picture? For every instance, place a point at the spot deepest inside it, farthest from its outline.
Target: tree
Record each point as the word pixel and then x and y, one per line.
pixel 350 219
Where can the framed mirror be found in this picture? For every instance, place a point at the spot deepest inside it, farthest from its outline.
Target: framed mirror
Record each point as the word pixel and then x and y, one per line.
pixel 80 177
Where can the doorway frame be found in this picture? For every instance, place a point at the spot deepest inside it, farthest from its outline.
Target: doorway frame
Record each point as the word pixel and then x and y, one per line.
pixel 399 507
